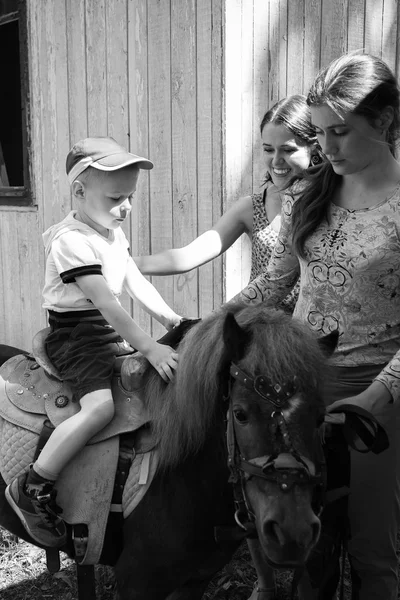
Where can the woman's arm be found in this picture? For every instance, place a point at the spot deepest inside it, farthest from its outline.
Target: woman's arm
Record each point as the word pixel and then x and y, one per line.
pixel 281 273
pixel 237 220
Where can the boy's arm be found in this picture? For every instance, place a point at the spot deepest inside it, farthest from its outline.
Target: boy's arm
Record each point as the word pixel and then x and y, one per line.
pixel 96 289
pixel 139 288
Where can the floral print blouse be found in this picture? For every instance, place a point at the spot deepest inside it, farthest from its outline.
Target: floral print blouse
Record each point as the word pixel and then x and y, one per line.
pixel 263 240
pixel 349 281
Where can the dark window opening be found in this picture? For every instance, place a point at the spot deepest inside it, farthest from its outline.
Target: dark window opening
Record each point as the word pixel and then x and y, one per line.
pixel 11 142
pixel 14 107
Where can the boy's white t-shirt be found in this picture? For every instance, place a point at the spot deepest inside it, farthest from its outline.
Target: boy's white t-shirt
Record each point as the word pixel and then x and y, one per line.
pixel 74 248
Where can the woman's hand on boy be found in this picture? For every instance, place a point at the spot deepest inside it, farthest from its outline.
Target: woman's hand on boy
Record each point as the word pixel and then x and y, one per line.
pixel 164 359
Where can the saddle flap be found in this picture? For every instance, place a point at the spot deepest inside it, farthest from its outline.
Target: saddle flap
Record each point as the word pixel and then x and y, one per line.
pixel 28 387
pixel 28 395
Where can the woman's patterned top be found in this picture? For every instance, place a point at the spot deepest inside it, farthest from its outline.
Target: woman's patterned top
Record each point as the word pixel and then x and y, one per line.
pixel 349 281
pixel 263 240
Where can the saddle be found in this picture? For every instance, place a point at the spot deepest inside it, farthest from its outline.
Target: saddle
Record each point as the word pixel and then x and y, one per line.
pixel 33 399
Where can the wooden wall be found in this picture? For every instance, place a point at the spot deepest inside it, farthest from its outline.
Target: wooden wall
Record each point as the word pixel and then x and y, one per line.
pixel 186 83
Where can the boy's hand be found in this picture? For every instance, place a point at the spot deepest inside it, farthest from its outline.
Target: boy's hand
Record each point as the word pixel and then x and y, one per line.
pixel 164 359
pixel 172 322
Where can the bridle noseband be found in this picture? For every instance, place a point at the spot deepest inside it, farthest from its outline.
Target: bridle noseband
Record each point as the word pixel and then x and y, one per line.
pixel 286 469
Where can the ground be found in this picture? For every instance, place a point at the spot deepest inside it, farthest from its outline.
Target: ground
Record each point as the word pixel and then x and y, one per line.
pixel 24 576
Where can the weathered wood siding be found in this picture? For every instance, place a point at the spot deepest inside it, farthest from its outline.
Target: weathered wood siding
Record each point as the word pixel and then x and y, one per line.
pixel 185 82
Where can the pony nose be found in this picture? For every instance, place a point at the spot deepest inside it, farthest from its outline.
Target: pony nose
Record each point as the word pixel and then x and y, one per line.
pixel 307 535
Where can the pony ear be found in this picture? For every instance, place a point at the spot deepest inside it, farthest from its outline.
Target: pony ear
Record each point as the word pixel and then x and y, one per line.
pixel 328 343
pixel 235 338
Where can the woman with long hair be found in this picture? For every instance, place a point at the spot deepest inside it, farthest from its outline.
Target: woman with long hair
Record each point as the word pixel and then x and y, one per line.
pixel 341 235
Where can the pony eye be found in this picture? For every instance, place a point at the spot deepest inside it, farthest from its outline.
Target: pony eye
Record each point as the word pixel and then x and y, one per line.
pixel 240 416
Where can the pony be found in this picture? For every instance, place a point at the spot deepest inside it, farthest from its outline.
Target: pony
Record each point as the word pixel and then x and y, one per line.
pixel 239 455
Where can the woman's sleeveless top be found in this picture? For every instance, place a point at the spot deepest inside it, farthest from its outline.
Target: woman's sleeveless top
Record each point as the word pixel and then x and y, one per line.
pixel 263 240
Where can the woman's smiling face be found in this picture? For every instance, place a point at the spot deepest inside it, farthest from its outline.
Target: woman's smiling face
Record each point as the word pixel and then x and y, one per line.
pixel 285 156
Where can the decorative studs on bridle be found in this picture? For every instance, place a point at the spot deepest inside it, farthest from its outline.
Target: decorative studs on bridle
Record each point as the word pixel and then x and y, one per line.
pixel 286 469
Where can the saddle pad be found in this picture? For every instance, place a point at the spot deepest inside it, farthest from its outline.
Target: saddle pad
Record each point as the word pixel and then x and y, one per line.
pixel 28 396
pixel 84 488
pixel 140 476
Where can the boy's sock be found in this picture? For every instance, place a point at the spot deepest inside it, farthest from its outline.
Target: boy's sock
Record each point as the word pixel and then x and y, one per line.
pixel 35 483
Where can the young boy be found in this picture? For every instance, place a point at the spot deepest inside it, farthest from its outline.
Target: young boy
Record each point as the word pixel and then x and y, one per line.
pixel 87 267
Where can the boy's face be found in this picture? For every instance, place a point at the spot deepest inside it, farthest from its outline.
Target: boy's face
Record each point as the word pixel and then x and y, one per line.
pixel 106 201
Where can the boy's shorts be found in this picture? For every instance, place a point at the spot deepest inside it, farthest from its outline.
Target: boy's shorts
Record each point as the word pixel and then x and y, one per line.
pixel 83 347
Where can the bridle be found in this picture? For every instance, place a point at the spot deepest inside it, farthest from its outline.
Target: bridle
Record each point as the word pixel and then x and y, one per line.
pixel 286 469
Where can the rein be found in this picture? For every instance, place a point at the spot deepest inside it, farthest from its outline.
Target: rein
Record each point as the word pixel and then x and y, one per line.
pixel 287 469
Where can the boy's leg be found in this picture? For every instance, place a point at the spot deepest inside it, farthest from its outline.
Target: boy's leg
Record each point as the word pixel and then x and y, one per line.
pixel 32 496
pixel 97 409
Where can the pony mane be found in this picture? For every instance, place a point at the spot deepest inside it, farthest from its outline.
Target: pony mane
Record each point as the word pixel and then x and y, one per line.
pixel 183 411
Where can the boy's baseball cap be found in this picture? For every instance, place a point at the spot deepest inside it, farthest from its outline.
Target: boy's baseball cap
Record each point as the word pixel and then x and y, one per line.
pixel 102 153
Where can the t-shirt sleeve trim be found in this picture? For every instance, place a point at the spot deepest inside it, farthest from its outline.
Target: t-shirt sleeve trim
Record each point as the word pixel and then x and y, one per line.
pixel 71 275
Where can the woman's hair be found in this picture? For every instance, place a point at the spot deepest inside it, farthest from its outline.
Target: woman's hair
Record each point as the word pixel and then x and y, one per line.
pixel 355 83
pixel 293 113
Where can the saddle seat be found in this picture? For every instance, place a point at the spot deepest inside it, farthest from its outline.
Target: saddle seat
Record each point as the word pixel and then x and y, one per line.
pixel 131 372
pixel 32 397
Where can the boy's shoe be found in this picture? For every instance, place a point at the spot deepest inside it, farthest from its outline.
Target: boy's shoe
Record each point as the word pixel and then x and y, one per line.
pixel 38 513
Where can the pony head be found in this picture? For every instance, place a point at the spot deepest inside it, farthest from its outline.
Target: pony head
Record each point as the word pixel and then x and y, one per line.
pixel 268 346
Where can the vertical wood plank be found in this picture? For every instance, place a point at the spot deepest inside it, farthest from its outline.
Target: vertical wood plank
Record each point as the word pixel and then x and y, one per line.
pixel 36 107
pixel 54 116
pixel 184 142
pixel 31 277
pixel 355 26
pixel 217 120
pixel 390 38
pixel 373 26
pixel 278 36
pixel 333 30
pixel 160 134
pixel 247 144
pixel 117 87
pixel 58 34
pixel 312 42
pixel 204 144
pixel 295 60
pixel 260 86
pixel 233 134
pixel 12 290
pixel 96 60
pixel 139 132
pixel 76 68
pixel 247 67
